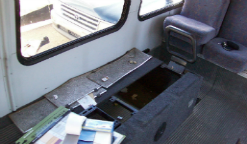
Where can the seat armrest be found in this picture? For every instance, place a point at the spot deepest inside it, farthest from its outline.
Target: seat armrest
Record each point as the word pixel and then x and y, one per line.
pixel 171 28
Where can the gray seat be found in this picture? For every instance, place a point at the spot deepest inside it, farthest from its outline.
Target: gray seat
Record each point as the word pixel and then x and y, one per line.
pixel 201 18
pixel 233 29
pixel 235 60
pixel 202 32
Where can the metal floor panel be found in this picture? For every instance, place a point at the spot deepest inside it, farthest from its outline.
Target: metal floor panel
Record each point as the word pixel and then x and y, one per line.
pixel 119 68
pixel 72 90
pixel 29 116
pixel 97 94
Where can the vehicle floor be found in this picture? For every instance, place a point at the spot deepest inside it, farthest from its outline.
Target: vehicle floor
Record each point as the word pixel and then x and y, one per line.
pixel 221 115
pixel 9 133
pixel 216 119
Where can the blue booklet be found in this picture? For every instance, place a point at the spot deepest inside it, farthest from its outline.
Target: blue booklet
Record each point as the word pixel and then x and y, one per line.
pixel 98 125
pixel 86 137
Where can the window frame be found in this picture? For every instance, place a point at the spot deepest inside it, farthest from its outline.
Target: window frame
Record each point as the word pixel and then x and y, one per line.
pixel 158 11
pixel 66 46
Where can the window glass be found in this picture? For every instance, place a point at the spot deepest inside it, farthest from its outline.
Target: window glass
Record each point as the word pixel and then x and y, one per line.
pixel 149 6
pixel 45 24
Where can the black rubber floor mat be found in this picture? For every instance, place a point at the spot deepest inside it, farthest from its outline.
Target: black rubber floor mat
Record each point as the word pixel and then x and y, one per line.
pixel 215 120
pixel 9 134
pixel 5 121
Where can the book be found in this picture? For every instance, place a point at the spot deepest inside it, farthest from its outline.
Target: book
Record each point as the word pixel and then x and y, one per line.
pixel 118 138
pixel 98 125
pixel 93 132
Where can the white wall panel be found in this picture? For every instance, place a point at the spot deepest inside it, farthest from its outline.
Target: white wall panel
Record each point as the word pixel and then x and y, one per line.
pixel 4 99
pixel 31 82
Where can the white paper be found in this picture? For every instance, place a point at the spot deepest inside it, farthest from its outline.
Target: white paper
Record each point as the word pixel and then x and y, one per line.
pixel 74 124
pixel 102 138
pixel 57 132
pixel 119 138
pixel 71 139
pixel 87 102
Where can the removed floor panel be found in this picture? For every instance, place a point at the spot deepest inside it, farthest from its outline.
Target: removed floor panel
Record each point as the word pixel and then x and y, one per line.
pixel 28 117
pixel 94 95
pixel 9 134
pixel 71 91
pixel 111 73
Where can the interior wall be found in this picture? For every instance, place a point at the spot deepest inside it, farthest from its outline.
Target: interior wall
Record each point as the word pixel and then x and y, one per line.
pixel 4 99
pixel 27 83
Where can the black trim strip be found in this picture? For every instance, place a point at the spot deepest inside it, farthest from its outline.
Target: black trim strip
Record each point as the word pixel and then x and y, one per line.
pixel 67 46
pixel 158 11
pixel 92 28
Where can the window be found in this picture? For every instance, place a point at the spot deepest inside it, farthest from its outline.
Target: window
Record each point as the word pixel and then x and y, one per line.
pixel 150 8
pixel 48 27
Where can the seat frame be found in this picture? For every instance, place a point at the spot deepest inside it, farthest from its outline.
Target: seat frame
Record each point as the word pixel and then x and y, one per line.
pixel 170 29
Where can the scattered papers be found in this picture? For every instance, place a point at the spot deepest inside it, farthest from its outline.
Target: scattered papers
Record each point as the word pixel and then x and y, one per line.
pixel 74 123
pixel 90 137
pixel 86 102
pixel 87 136
pixel 96 132
pixel 98 125
pixel 91 132
pixel 102 138
pixel 83 142
pixel 92 96
pixel 70 139
pixel 56 134
pixel 73 128
pixel 118 138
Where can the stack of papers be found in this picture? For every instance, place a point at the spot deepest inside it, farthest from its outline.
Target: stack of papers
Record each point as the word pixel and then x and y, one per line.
pixel 96 131
pixel 93 137
pixel 73 128
pixel 87 101
pixel 91 132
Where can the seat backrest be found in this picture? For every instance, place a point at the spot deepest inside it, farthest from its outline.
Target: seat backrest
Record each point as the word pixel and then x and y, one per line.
pixel 234 26
pixel 210 12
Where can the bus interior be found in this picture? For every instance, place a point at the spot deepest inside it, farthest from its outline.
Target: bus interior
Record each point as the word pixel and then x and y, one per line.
pixel 165 71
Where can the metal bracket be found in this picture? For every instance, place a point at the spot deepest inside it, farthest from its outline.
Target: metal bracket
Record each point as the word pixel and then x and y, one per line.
pixel 124 104
pixel 95 110
pixel 179 61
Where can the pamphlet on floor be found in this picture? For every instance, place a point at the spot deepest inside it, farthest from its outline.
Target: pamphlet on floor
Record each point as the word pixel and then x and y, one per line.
pixel 91 131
